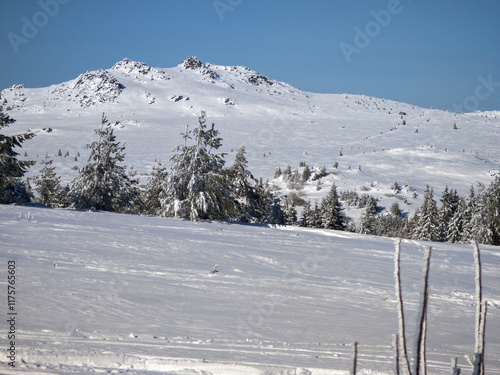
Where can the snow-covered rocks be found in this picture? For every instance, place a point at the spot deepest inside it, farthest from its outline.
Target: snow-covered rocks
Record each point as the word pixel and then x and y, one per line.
pixel 139 71
pixel 192 62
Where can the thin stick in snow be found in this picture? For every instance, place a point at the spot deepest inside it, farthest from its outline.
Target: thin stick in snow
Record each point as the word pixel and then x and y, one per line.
pixel 482 332
pixel 454 369
pixel 399 299
pixel 395 347
pixel 479 297
pixel 354 358
pixel 424 337
pixel 418 346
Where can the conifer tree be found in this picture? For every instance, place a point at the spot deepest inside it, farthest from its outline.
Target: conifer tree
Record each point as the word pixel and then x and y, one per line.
pixel 12 188
pixel 450 202
pixel 48 185
pixel 290 212
pixel 332 216
pixel 491 213
pixel 154 188
pixel 103 183
pixel 456 231
pixel 276 215
pixel 470 208
pixel 478 227
pixel 306 218
pixel 251 194
pixel 198 187
pixel 428 224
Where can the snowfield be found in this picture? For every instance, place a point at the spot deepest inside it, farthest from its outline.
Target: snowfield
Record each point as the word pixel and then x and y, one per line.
pixel 108 293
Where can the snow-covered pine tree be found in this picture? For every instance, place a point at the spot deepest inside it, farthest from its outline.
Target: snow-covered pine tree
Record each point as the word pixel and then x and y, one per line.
pixel 470 208
pixel 428 224
pixel 305 220
pixel 12 188
pixel 491 213
pixel 411 228
pixel 478 226
pixel 198 188
pixel 456 231
pixel 154 187
pixel 252 195
pixel 368 222
pixel 395 210
pixel 332 216
pixel 48 185
pixel 450 202
pixel 102 183
pixel 276 215
pixel 290 212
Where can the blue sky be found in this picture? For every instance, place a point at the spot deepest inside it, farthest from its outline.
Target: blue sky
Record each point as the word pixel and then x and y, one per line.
pixel 443 54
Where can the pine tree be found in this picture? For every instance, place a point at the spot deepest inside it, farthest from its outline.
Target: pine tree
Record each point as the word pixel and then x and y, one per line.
pixel 248 192
pixel 290 212
pixel 395 210
pixel 478 227
pixel 276 215
pixel 332 216
pixel 198 188
pixel 411 228
pixel 103 183
pixel 12 188
pixel 456 226
pixel 48 185
pixel 491 213
pixel 306 218
pixel 450 202
pixel 428 225
pixel 156 184
pixel 469 209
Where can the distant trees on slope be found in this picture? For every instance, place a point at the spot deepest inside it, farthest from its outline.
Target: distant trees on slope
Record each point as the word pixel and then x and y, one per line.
pixel 462 220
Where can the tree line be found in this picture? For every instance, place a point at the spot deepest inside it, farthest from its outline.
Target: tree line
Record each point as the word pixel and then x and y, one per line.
pixel 198 185
pixel 457 219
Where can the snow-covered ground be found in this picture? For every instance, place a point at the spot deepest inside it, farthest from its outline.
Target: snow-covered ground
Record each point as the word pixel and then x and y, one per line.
pixel 108 293
pixel 101 292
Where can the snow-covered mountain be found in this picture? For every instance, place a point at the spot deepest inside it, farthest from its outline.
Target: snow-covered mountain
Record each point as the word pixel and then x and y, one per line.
pixel 375 142
pixel 132 294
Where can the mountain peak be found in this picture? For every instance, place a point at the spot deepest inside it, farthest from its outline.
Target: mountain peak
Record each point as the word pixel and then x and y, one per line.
pixel 192 62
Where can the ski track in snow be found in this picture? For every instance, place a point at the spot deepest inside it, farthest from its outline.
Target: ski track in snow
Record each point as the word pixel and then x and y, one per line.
pixel 132 295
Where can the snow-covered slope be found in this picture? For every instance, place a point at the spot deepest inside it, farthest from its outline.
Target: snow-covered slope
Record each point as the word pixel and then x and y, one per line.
pixel 381 141
pixel 110 293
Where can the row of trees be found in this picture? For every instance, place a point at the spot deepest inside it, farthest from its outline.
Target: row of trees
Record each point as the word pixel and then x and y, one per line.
pixel 198 186
pixel 458 219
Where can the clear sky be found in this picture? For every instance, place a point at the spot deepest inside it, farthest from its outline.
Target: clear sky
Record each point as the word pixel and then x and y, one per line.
pixel 434 53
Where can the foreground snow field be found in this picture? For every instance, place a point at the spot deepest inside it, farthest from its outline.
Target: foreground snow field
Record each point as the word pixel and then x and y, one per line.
pixel 100 292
